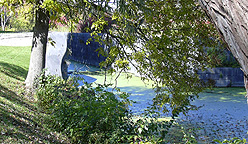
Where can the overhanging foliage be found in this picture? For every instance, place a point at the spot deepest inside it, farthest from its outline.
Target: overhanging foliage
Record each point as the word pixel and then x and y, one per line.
pixel 164 40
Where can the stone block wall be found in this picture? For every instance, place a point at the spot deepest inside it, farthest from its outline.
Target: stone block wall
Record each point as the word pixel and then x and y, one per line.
pixel 224 77
pixel 57 53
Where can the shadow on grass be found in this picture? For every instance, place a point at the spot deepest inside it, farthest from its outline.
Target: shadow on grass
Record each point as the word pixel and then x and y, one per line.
pixel 12 97
pixel 13 71
pixel 20 121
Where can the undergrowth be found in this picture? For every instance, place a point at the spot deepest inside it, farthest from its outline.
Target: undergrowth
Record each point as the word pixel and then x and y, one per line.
pixel 90 114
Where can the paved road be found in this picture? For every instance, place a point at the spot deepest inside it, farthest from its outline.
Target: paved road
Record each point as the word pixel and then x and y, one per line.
pixel 16 39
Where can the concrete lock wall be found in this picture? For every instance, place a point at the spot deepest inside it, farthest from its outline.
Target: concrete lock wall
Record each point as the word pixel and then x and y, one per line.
pixel 56 54
pixel 224 77
pixel 82 52
pixel 57 51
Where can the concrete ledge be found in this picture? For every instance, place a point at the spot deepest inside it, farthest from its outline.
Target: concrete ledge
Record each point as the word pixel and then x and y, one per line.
pixel 56 53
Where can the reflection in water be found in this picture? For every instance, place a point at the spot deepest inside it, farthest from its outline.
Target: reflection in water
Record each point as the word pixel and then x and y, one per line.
pixel 75 67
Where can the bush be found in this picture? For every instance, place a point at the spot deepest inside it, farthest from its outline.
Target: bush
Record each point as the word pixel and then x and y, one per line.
pixel 90 114
pixel 21 24
pixel 221 57
pixel 23 20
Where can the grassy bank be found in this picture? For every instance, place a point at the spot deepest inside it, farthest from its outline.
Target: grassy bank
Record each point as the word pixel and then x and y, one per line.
pixel 20 119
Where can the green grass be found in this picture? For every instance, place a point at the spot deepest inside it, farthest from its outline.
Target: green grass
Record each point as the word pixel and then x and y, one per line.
pixel 14 62
pixel 21 121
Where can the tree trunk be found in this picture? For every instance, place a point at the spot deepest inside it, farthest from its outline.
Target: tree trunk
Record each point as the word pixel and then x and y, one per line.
pixel 38 51
pixel 2 22
pixel 4 18
pixel 231 20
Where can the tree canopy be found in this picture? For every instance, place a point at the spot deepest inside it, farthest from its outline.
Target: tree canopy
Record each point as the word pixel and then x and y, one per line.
pixel 163 40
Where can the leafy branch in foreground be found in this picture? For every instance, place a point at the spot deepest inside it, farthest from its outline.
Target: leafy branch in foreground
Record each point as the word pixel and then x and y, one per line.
pixel 165 41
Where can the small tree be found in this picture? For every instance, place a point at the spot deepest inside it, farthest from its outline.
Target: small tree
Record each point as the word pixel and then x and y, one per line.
pixel 164 41
pixel 39 43
pixel 5 16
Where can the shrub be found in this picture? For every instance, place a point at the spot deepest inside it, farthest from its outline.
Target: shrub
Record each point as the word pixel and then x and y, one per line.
pixel 21 24
pixel 221 57
pixel 23 20
pixel 90 114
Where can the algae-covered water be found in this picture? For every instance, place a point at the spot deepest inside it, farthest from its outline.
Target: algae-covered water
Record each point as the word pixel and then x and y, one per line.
pixel 223 113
